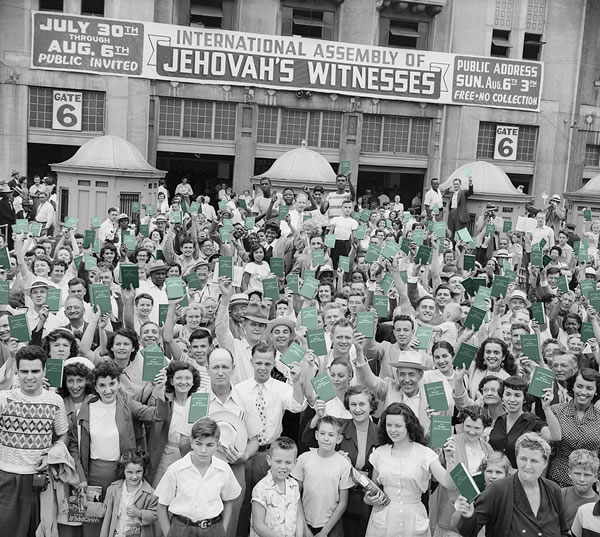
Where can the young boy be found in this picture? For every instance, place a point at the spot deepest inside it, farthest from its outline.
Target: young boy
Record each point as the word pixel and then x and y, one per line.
pixel 324 476
pixel 342 227
pixel 583 471
pixel 276 502
pixel 195 495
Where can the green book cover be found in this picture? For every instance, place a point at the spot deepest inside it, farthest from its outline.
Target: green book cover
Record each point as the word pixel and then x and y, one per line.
pixel 193 281
pixel 154 361
pixel 464 355
pixel 54 372
pixel 174 287
pixel 490 229
pixel 4 292
pixel 4 259
pixel 583 255
pixel 344 263
pixel 464 482
pixel 464 235
pixel 35 228
pixel 70 222
pixel 356 216
pixel 424 255
pixel 405 245
pixel 250 222
pixel 373 253
pixel 405 216
pixel 315 337
pixel 130 275
pixel 439 228
pixel 474 318
pixel 294 353
pixel 546 259
pixel 199 405
pixel 21 225
pixel 391 249
pixel 576 247
pixel 510 274
pixel 507 226
pixel 541 379
pixel 228 224
pixel 306 217
pixel 365 323
pixel 53 298
pixel 271 289
pixel 419 236
pixel 176 217
pixel 194 207
pixel 387 282
pixel 77 260
pixel 242 204
pixel 19 329
pixel 323 387
pixel 184 208
pixel 225 234
pixel 345 166
pixel 537 258
pixel 563 284
pixel 440 429
pixel 436 396
pixel 223 206
pixel 309 288
pixel 361 232
pixel 481 283
pixel 539 312
pixel 149 210
pixel 96 246
pixel 424 334
pixel 435 210
pixel 469 262
pixel 318 257
pixel 365 215
pixel 499 286
pixel 226 267
pixel 594 298
pixel 483 293
pixel 88 237
pixel 135 207
pixel 310 273
pixel 284 210
pixel 381 304
pixel 276 264
pixel 129 242
pixel 309 317
pixel 586 287
pixel 159 255
pixel 330 240
pixel 162 313
pixel 467 283
pixel 293 282
pixel 89 262
pixel 95 222
pixel 388 223
pixel 404 276
pixel 100 296
pixel 587 331
pixel 587 215
pixel 530 346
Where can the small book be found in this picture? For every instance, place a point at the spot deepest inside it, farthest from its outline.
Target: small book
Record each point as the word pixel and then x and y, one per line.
pixel 479 283
pixel 175 288
pixel 439 228
pixel 361 232
pixel 464 482
pixel 424 255
pixel 4 292
pixel 309 288
pixel 373 253
pixel 424 334
pixel 405 245
pixel 594 298
pixel 440 429
pixel 53 298
pixel 250 222
pixel 226 267
pixel 419 236
pixel 318 257
pixel 464 355
pixel 467 283
pixel 469 262
pixel 154 361
pixel 391 249
pixel 159 255
pixel 436 396
pixel 323 387
pixel 587 286
pixel 135 207
pixel 387 282
pixel 284 210
pixel 89 262
pixel 365 215
pixel 330 240
pixel 130 275
pixel 315 338
pixel 225 235
pixel 21 225
pixel 587 215
pixel 345 167
pixel 507 226
pixel 537 258
pixel 271 289
pixel 162 314
pixel 19 329
pixel 344 263
pixel 381 304
pixel 193 281
pixel 95 222
pixel 365 324
pixel 129 242
pixel 294 353
pixel 587 331
pixel 54 372
pixel 96 246
pixel 490 229
pixel 35 228
pixel 464 235
pixel 100 296
pixel 309 317
pixel 499 286
pixel 276 264
pixel 538 311
pixel 149 210
pixel 242 204
pixel 88 237
pixel 199 404
pixel 541 379
pixel 223 206
pixel 194 207
pixel 563 284
pixel 4 259
pixel 511 275
pixel 526 225
pixel 530 346
pixel 70 222
pixel 293 282
pixel 475 318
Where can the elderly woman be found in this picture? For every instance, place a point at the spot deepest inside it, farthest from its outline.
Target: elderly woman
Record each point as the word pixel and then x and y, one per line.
pixel 524 503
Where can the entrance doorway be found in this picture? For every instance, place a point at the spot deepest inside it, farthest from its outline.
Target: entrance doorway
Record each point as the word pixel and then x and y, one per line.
pixel 405 182
pixel 40 156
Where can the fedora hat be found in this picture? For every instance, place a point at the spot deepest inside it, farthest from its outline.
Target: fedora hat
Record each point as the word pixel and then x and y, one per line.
pixel 5 188
pixel 239 298
pixel 519 295
pixel 411 359
pixel 257 313
pixel 157 264
pixel 233 432
pixel 282 321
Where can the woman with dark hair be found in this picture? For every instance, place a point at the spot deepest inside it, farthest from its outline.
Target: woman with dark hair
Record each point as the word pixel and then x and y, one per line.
pixel 109 254
pixel 579 421
pixel 60 344
pixel 256 270
pixel 122 347
pixel 403 465
pixel 442 353
pixel 510 426
pixel 76 385
pixel 492 358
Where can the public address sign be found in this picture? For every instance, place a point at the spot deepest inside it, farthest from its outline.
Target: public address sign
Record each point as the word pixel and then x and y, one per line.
pixel 206 56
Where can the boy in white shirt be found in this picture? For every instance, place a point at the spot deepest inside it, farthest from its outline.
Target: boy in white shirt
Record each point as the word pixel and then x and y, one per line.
pixel 343 227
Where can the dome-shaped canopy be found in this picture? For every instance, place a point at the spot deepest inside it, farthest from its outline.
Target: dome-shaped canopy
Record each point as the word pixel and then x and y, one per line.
pixel 109 153
pixel 303 166
pixel 591 187
pixel 487 179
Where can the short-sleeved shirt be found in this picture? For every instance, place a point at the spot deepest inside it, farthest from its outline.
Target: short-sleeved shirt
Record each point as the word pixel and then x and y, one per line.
pixel 336 201
pixel 587 521
pixel 322 478
pixel 27 425
pixel 189 493
pixel 573 501
pixel 344 226
pixel 281 508
pixel 500 440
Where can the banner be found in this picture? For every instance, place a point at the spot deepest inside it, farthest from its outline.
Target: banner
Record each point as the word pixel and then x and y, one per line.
pixel 207 56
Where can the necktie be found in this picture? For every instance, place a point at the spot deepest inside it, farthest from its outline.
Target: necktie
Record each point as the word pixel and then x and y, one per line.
pixel 261 406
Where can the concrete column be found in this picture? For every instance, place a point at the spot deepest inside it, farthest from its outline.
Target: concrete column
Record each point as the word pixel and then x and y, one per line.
pixel 351 140
pixel 245 147
pixel 13 126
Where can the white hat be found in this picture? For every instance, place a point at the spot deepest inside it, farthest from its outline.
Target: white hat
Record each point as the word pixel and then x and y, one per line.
pixel 411 359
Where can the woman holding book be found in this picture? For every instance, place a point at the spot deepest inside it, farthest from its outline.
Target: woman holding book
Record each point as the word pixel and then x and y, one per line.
pixel 492 358
pixel 524 503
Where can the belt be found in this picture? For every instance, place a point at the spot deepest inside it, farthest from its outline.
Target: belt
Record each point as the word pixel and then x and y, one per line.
pixel 266 447
pixel 206 523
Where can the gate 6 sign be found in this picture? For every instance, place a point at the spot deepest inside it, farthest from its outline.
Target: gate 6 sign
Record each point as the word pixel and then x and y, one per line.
pixel 505 147
pixel 66 110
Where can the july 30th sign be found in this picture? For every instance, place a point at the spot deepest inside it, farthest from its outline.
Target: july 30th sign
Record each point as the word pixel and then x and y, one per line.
pixel 210 56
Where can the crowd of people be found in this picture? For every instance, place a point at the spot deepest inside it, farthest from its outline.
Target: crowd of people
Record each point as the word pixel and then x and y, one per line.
pixel 299 364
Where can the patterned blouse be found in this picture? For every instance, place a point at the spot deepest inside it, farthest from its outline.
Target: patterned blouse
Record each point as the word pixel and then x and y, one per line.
pixel 281 508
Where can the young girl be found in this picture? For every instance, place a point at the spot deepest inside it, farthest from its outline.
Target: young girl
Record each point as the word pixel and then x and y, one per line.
pixel 131 507
pixel 255 271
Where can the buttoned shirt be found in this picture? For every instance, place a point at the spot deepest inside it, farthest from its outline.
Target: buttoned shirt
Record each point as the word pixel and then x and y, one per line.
pixel 235 404
pixel 434 198
pixel 279 397
pixel 159 295
pixel 281 508
pixel 543 524
pixel 190 494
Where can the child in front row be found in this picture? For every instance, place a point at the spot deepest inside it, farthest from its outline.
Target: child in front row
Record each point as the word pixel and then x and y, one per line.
pixel 130 501
pixel 196 493
pixel 325 479
pixel 583 471
pixel 276 502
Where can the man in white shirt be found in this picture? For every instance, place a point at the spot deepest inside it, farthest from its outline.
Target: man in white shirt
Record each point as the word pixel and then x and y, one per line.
pixel 45 213
pixel 38 316
pixel 155 286
pixel 542 231
pixel 265 201
pixel 108 228
pixel 434 198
